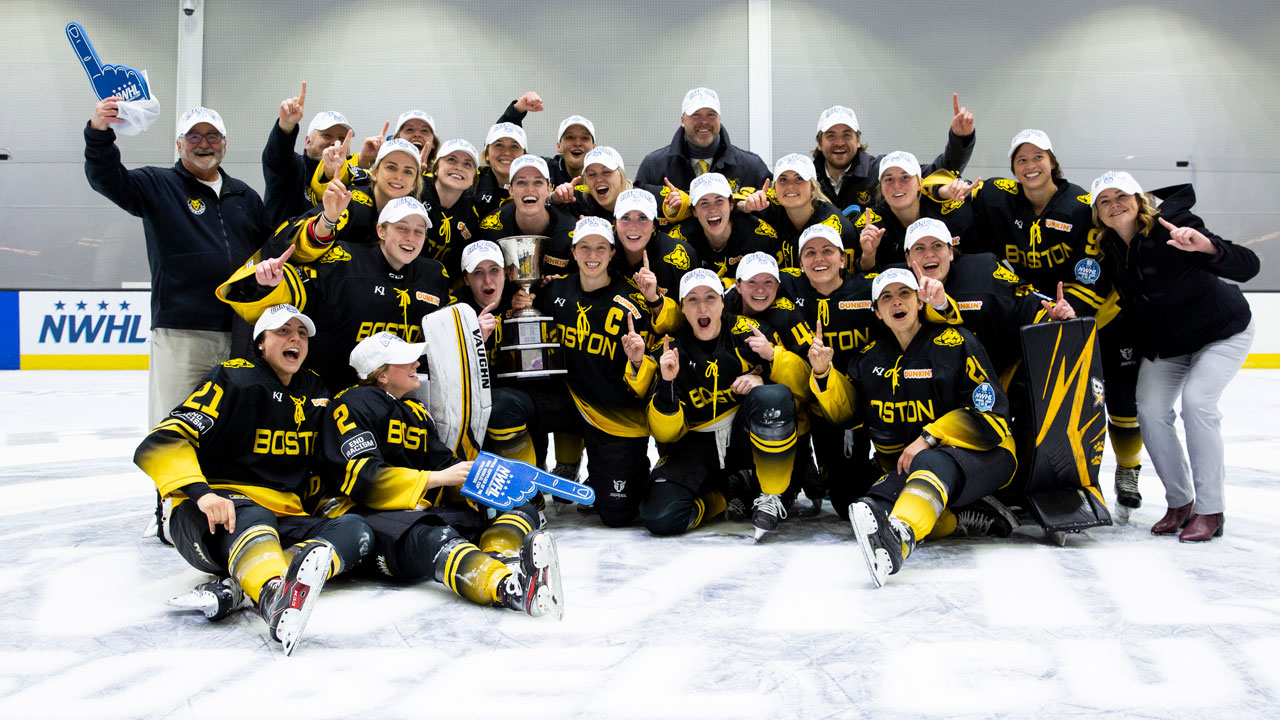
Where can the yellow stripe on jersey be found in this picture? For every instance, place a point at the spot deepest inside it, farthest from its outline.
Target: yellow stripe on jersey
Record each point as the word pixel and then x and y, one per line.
pixel 353 473
pixel 619 422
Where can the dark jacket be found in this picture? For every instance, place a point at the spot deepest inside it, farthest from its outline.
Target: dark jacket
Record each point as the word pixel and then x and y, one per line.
pixel 1178 299
pixel 744 169
pixel 287 174
pixel 194 239
pixel 858 186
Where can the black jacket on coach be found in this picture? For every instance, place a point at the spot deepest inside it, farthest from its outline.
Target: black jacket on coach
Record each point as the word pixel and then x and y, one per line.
pixel 194 238
pixel 744 170
pixel 287 175
pixel 1178 298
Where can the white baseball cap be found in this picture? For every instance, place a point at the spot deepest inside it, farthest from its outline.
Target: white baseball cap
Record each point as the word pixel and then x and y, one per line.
pixel 530 160
pixel 381 349
pixel 572 120
pixel 326 120
pixel 401 208
pixel 479 251
pixel 197 115
pixel 603 155
pixel 452 146
pixel 801 165
pixel 708 184
pixel 891 276
pixel 927 228
pixel 820 232
pixel 700 277
pixel 590 226
pixel 277 315
pixel 1035 137
pixel 507 130
pixel 900 159
pixel 636 199
pixel 753 264
pixel 399 145
pixel 837 115
pixel 408 115
pixel 1117 179
pixel 699 98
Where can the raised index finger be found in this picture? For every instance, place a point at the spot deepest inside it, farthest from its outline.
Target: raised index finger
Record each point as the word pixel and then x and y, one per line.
pixel 666 344
pixel 284 256
pixel 631 326
pixel 919 274
pixel 955 102
pixel 84 49
pixel 1166 223
pixel 302 96
pixel 489 308
pixel 644 259
pixel 386 126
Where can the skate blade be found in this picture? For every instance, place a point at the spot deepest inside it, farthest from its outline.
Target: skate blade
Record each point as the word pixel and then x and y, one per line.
pixel 312 573
pixel 864 527
pixel 546 558
pixel 760 533
pixel 1122 512
pixel 204 602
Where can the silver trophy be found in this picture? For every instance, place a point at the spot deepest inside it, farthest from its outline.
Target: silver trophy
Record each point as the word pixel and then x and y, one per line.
pixel 526 351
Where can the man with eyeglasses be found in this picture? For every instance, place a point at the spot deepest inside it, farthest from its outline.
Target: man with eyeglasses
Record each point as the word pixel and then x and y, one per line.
pixel 200 225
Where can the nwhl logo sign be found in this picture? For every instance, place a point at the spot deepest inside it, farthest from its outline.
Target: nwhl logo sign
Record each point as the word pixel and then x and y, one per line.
pixel 55 328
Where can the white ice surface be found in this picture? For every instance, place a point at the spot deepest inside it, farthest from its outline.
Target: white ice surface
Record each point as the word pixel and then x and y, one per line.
pixel 1117 623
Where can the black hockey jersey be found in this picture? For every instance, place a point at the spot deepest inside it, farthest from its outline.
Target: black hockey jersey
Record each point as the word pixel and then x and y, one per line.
pixel 589 326
pixel 747 234
pixel 557 249
pixel 452 228
pixel 788 252
pixel 350 293
pixel 943 383
pixel 957 215
pixel 241 430
pixel 379 452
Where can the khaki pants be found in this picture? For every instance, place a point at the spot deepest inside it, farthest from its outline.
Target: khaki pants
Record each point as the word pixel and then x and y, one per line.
pixel 179 358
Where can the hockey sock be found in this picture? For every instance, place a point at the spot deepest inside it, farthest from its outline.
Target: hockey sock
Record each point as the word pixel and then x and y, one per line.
pixel 256 558
pixel 513 443
pixel 708 506
pixel 569 447
pixel 470 572
pixel 945 525
pixel 920 503
pixel 1126 440
pixel 506 534
pixel 774 460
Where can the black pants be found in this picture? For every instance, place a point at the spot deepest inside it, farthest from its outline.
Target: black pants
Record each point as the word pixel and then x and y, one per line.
pixel 966 475
pixel 407 542
pixel 844 455
pixel 349 535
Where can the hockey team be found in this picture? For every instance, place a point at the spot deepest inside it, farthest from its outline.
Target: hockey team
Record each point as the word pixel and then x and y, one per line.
pixel 840 327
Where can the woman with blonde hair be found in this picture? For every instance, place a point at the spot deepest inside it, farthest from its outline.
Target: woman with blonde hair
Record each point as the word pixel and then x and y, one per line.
pixel 1194 332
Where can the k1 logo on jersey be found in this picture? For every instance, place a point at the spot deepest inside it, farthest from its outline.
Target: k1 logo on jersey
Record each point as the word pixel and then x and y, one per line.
pixel 1088 271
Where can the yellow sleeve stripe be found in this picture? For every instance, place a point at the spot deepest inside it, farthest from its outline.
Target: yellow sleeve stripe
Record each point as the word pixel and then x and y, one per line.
pixel 182 428
pixel 353 471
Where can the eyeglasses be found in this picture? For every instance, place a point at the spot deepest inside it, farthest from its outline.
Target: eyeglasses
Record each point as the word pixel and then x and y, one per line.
pixel 212 138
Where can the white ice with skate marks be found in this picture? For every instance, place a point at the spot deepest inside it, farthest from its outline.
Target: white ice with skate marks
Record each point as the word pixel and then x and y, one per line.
pixel 708 625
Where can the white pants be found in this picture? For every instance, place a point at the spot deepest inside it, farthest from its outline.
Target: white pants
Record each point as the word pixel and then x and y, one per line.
pixel 179 358
pixel 1199 378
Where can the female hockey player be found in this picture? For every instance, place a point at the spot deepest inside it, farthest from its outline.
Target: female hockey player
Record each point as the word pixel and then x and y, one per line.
pixel 716 409
pixel 353 290
pixel 504 143
pixel 653 259
pixel 382 460
pixel 591 310
pixel 1195 332
pixel 1042 225
pixel 604 179
pixel 234 461
pixel 901 200
pixel 935 413
pixel 528 213
pixel 795 202
pixel 448 194
pixel 720 234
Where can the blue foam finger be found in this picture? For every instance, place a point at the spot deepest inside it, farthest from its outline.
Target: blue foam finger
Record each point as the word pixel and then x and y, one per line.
pixel 120 81
pixel 501 483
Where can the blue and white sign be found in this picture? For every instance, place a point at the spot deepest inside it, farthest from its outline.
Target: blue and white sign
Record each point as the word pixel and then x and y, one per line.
pixel 84 329
pixel 501 483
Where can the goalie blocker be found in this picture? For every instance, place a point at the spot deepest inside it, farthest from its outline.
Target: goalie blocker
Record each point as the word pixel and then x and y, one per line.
pixel 1064 427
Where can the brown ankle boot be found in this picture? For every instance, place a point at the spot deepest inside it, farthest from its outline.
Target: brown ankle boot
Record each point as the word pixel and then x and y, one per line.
pixel 1203 528
pixel 1175 518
